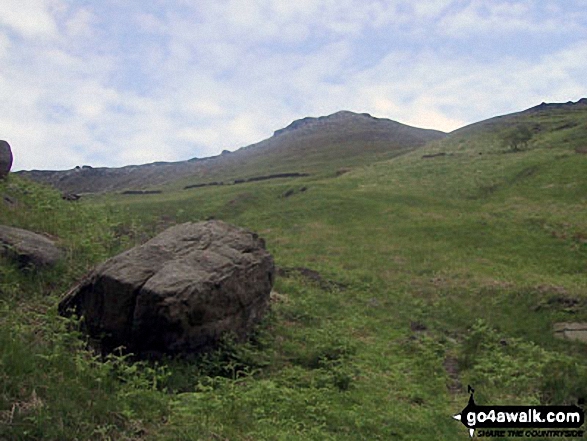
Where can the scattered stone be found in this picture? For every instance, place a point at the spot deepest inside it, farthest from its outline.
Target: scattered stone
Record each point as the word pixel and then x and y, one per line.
pixel 291 192
pixel 9 200
pixel 70 197
pixel 567 303
pixel 5 159
pixel 373 302
pixel 418 327
pixel 28 248
pixel 178 293
pixel 571 331
pixel 559 299
pixel 276 297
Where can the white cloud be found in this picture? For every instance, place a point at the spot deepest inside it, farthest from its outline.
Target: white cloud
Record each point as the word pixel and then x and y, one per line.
pixel 30 18
pixel 500 16
pixel 114 85
pixel 430 8
pixel 80 24
pixel 4 45
pixel 151 23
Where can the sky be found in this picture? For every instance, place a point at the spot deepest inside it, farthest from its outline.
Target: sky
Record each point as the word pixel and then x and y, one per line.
pixel 120 82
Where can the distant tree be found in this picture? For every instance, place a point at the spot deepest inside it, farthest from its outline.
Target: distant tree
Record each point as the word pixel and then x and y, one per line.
pixel 517 137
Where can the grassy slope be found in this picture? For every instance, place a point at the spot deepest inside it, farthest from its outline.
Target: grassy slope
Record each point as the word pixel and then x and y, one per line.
pixel 468 256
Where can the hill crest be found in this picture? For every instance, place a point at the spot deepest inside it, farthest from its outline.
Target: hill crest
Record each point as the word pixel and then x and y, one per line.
pixel 307 145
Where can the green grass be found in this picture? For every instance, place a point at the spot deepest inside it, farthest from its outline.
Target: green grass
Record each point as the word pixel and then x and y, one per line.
pixel 468 256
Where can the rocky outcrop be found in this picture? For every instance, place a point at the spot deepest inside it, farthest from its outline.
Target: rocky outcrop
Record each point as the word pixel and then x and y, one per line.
pixel 177 293
pixel 550 106
pixel 5 159
pixel 28 248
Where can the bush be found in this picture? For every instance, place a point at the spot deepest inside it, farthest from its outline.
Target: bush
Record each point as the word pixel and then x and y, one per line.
pixel 517 138
pixel 520 369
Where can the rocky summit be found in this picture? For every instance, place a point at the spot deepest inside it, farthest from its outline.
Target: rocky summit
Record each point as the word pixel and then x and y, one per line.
pixel 5 159
pixel 305 146
pixel 177 293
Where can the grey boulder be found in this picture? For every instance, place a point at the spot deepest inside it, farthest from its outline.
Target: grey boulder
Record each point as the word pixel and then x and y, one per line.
pixel 5 159
pixel 571 331
pixel 28 248
pixel 180 292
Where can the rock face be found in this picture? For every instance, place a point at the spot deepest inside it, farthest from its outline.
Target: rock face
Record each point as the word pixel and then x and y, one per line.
pixel 5 159
pixel 178 292
pixel 27 247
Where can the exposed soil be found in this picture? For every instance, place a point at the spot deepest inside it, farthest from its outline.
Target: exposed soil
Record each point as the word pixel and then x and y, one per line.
pixel 451 366
pixel 141 192
pixel 433 155
pixel 311 275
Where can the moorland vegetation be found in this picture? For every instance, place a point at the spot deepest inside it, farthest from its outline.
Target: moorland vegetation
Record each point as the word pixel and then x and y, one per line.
pixel 444 271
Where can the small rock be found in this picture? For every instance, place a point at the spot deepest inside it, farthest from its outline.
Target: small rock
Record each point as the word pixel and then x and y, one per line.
pixel 5 159
pixel 70 197
pixel 571 331
pixel 9 200
pixel 26 247
pixel 276 297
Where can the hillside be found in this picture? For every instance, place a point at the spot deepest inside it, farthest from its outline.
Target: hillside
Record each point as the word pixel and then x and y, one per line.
pixel 401 282
pixel 543 118
pixel 305 146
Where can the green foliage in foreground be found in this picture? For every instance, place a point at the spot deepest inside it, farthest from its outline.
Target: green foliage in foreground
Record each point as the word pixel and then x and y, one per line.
pixel 437 273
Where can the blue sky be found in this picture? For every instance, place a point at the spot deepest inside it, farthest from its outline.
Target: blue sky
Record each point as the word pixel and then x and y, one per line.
pixel 113 83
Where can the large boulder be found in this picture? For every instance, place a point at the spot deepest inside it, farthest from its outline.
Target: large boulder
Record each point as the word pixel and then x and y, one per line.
pixel 5 159
pixel 177 293
pixel 28 248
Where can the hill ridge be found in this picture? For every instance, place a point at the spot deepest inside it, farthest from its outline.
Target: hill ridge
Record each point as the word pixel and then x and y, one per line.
pixel 307 145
